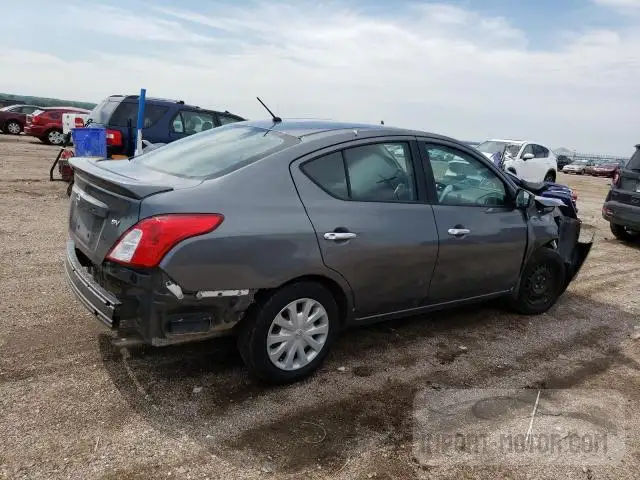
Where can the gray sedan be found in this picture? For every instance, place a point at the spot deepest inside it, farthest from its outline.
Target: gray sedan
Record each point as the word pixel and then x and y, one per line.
pixel 284 233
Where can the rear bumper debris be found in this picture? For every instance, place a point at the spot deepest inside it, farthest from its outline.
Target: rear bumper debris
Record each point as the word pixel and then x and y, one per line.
pixel 148 307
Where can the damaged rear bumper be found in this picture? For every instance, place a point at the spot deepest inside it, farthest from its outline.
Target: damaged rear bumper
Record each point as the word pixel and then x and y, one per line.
pixel 146 307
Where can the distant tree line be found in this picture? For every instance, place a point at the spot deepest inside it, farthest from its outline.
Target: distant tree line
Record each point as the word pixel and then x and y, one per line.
pixel 9 99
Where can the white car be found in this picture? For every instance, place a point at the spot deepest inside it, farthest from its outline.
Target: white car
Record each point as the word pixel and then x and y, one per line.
pixel 527 160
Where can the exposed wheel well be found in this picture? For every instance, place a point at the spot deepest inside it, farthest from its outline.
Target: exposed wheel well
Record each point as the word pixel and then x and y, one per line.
pixel 551 173
pixel 334 288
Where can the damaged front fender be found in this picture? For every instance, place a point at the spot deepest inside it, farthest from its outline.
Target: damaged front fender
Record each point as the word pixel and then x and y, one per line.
pixel 548 227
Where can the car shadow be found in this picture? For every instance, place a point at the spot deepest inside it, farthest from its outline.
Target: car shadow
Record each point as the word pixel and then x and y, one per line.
pixel 204 391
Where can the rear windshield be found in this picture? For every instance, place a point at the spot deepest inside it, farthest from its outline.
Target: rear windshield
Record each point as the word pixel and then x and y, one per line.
pixel 118 113
pixel 634 161
pixel 102 112
pixel 216 152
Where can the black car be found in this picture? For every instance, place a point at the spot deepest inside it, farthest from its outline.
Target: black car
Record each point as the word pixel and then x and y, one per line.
pixel 563 161
pixel 164 121
pixel 622 205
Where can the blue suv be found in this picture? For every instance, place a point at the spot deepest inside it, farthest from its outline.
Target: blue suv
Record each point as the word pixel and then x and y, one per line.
pixel 164 121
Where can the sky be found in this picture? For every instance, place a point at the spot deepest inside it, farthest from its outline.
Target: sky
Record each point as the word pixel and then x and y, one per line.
pixel 564 73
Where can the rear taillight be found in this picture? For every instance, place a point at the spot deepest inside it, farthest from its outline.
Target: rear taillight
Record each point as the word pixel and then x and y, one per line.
pixel 114 138
pixel 147 242
pixel 79 123
pixel 616 178
pixel 36 120
pixel 574 196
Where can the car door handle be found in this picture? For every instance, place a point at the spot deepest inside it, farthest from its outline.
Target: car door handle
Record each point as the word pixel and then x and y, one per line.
pixel 336 236
pixel 458 232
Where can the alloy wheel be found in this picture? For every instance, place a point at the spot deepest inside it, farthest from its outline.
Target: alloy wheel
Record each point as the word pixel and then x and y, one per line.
pixel 55 137
pixel 297 334
pixel 13 128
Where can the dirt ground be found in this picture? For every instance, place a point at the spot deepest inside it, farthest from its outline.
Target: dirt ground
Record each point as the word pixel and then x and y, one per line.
pixel 72 406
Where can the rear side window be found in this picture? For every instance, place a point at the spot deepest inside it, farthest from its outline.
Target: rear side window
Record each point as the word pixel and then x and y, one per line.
pixel 54 115
pixel 190 122
pixel 216 152
pixel 380 172
pixel 126 111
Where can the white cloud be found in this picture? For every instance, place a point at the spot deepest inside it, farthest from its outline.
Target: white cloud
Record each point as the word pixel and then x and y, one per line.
pixel 432 67
pixel 618 3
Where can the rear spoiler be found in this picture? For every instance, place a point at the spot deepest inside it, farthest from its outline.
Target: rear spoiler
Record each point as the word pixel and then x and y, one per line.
pixel 89 170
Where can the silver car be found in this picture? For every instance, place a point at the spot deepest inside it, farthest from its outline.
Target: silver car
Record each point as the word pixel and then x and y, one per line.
pixel 577 167
pixel 284 233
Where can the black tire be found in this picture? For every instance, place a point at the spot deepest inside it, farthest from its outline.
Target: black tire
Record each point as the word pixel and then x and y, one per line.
pixel 621 233
pixel 12 127
pixel 252 337
pixel 541 283
pixel 550 176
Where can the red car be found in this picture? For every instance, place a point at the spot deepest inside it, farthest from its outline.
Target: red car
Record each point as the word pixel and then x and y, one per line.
pixel 13 118
pixel 46 124
pixel 602 169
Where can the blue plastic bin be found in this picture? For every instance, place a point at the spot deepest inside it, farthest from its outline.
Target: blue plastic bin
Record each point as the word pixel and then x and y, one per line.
pixel 90 142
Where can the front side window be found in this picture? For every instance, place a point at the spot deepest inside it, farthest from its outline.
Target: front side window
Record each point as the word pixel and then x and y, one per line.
pixel 527 149
pixel 381 172
pixel 540 152
pixel 463 180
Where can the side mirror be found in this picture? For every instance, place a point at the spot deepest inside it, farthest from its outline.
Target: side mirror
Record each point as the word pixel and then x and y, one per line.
pixel 527 156
pixel 523 199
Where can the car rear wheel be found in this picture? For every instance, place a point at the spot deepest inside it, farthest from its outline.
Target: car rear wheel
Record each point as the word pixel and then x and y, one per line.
pixel 541 283
pixel 12 127
pixel 54 137
pixel 287 336
pixel 550 177
pixel 623 233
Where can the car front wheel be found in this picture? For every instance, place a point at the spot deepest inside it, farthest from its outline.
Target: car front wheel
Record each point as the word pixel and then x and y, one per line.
pixel 541 283
pixel 550 177
pixel 287 336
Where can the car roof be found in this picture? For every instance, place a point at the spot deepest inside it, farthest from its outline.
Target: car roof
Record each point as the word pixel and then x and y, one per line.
pixel 302 128
pixel 169 101
pixel 75 109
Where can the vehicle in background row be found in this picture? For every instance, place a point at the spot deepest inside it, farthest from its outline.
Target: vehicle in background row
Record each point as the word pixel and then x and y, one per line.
pixel 529 161
pixel 46 124
pixel 14 117
pixel 563 161
pixel 603 168
pixel 73 120
pixel 577 167
pixel 164 121
pixel 280 232
pixel 622 205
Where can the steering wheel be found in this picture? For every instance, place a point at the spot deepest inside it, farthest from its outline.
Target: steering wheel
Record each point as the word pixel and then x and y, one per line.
pixel 485 199
pixel 443 194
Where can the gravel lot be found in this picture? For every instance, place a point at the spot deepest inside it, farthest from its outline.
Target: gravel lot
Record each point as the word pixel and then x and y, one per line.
pixel 74 407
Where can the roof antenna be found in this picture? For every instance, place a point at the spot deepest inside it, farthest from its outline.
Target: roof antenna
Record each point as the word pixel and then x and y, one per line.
pixel 273 117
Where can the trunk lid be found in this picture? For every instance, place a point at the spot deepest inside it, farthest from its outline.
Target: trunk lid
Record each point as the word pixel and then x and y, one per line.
pixel 106 198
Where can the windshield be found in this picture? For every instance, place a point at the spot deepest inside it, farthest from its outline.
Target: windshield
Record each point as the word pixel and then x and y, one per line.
pixel 8 107
pixel 216 152
pixel 580 162
pixel 494 147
